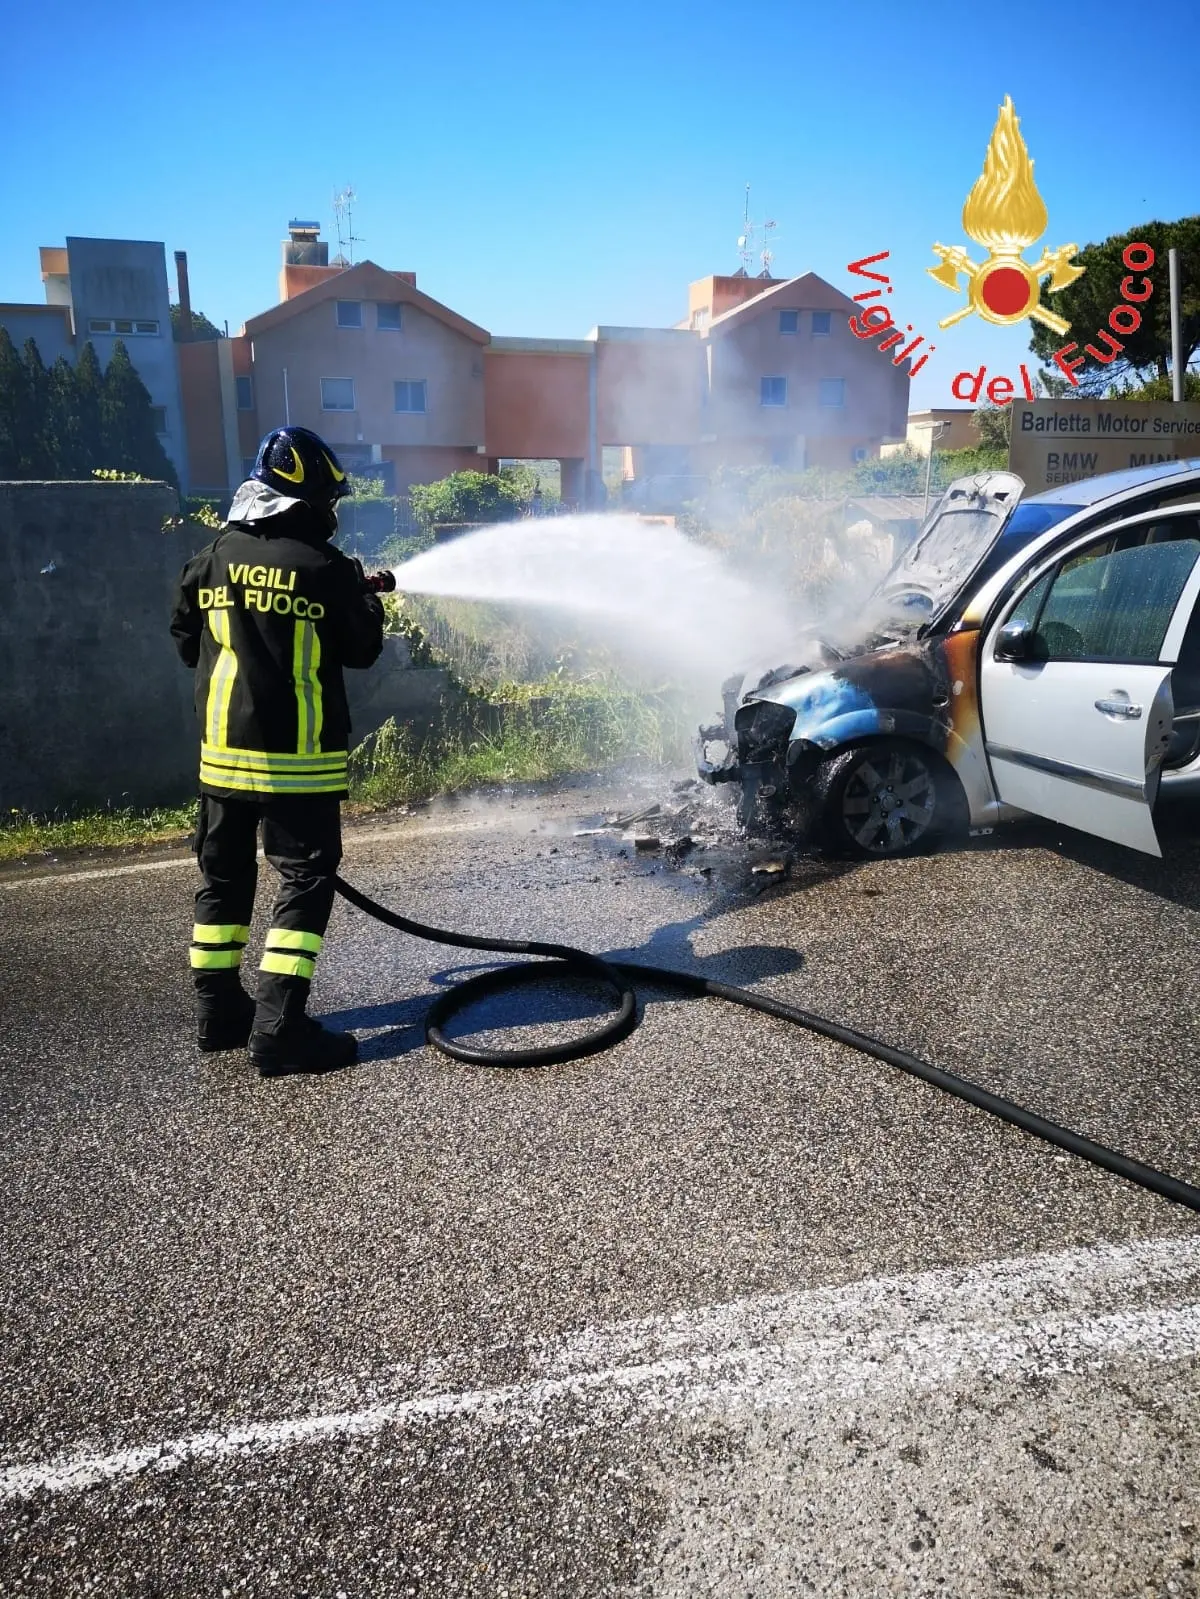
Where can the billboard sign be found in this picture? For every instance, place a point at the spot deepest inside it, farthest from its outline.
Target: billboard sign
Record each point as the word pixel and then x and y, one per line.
pixel 1064 440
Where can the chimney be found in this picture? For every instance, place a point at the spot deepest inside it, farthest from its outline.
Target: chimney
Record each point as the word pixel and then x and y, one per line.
pixel 185 297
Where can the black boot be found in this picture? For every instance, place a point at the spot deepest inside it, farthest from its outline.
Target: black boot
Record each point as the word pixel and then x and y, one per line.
pixel 224 1012
pixel 285 1039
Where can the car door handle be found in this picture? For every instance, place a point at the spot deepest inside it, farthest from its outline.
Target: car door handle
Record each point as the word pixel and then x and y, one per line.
pixel 1121 708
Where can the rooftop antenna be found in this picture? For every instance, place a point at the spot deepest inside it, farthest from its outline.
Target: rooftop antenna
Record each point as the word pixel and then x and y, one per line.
pixel 748 244
pixel 343 204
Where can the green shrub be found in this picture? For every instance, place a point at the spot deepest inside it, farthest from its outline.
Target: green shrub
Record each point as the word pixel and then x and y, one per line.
pixel 464 497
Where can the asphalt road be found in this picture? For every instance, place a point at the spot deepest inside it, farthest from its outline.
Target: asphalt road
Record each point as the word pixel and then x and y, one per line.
pixel 729 1310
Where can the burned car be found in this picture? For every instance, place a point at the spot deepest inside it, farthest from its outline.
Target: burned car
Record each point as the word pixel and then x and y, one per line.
pixel 1024 656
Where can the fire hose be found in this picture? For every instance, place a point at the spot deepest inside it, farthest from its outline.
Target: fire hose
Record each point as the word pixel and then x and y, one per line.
pixel 557 962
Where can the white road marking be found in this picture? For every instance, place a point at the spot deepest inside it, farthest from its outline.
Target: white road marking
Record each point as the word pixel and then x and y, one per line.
pixel 398 833
pixel 97 875
pixel 1041 1316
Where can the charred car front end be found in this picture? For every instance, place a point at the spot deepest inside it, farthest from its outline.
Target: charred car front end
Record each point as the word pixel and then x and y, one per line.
pixel 875 745
pixel 786 741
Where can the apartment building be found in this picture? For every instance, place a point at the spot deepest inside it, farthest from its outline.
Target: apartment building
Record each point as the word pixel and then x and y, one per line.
pixel 391 377
pixel 760 371
pixel 948 428
pixel 103 290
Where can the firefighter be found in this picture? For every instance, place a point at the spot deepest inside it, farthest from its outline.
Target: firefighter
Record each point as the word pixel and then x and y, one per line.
pixel 269 614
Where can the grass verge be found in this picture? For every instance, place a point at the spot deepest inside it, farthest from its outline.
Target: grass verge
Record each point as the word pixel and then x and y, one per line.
pixel 532 736
pixel 23 835
pixel 529 733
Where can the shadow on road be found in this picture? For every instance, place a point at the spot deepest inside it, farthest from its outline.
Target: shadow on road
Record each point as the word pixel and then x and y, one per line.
pixel 560 1003
pixel 1176 877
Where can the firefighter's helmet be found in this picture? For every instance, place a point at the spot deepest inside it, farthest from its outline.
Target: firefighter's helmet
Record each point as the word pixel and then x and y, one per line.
pixel 296 463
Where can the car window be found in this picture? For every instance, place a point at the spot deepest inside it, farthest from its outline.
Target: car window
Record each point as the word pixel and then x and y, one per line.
pixel 1108 604
pixel 1030 604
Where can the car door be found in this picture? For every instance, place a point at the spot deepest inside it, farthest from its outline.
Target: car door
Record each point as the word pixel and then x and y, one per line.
pixel 1075 692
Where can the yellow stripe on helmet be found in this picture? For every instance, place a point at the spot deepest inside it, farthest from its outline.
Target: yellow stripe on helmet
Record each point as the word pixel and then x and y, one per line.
pixel 298 475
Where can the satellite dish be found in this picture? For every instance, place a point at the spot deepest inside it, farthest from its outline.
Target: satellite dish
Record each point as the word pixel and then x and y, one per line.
pixel 741 241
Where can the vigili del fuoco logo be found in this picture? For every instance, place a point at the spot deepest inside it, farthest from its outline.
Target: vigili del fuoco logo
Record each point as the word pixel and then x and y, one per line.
pixel 1006 214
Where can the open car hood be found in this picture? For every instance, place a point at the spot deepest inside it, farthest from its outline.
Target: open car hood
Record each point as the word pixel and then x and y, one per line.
pixel 952 542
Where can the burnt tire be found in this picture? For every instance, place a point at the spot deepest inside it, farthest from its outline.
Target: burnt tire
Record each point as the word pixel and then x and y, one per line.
pixel 889 798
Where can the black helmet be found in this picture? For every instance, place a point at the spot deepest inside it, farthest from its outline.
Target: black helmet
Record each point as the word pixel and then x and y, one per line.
pixel 296 463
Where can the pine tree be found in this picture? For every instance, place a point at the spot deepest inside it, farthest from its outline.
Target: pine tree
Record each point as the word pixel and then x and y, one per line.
pixel 64 420
pixel 12 388
pixel 40 449
pixel 127 422
pixel 89 389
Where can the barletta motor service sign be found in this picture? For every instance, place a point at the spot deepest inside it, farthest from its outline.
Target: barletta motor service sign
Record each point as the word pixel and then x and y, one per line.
pixel 1063 441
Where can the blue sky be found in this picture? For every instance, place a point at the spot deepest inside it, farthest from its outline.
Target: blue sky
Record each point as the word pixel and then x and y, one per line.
pixel 543 168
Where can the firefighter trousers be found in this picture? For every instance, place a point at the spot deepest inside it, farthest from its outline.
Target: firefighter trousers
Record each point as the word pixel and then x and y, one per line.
pixel 302 839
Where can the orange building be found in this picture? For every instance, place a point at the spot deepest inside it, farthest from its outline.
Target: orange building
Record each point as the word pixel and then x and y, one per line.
pixel 760 371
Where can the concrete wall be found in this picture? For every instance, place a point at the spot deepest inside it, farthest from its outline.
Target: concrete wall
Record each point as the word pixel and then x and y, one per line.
pixel 49 326
pixel 537 398
pixel 649 386
pixel 96 708
pixel 249 433
pixel 210 403
pixel 958 431
pixel 429 465
pixel 716 294
pixel 394 688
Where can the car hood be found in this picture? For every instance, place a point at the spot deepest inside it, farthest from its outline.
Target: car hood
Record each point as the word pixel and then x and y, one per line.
pixel 952 542
pixel 897 677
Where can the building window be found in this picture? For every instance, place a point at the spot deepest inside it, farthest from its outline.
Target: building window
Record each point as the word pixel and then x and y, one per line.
pixel 773 391
pixel 410 396
pixel 859 454
pixel 337 394
pixel 833 391
pixel 123 327
pixel 349 313
pixel 789 322
pixel 700 319
pixel 387 317
pixel 159 413
pixel 245 393
pixel 821 321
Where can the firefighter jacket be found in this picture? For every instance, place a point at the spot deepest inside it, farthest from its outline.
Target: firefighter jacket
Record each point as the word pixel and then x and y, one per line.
pixel 269 614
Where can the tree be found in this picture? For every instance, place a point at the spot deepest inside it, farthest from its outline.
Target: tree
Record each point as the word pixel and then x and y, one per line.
pixel 202 328
pixel 1086 305
pixel 89 390
pixel 1156 389
pixel 12 388
pixel 40 445
pixel 64 420
pixel 464 497
pixel 127 431
pixel 993 423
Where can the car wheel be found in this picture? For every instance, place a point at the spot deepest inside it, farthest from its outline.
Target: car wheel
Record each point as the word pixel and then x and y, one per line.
pixel 888 798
